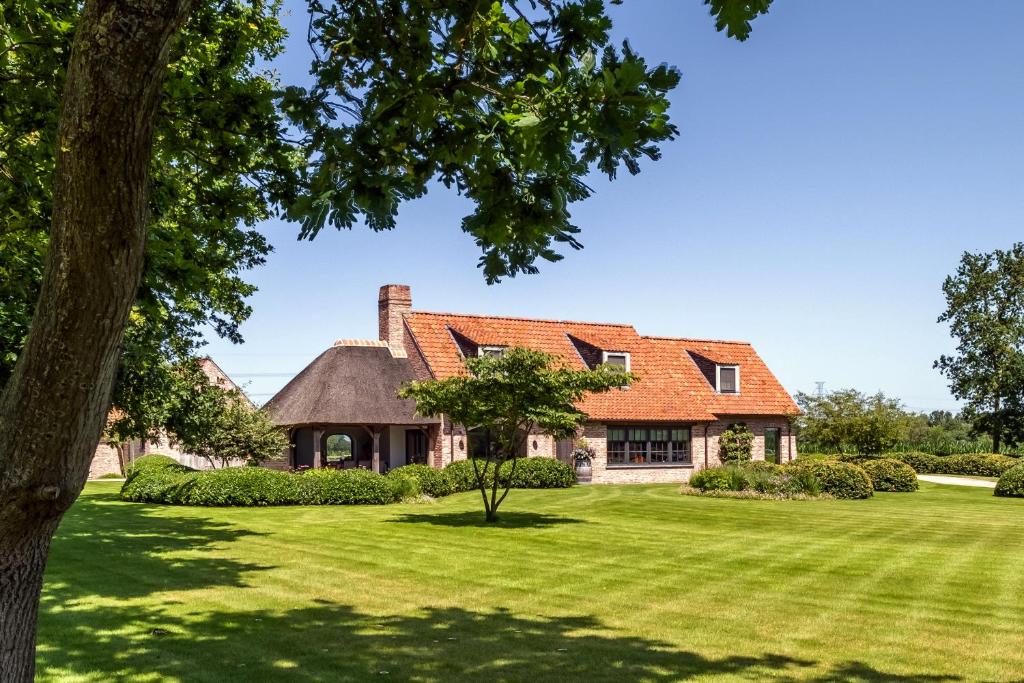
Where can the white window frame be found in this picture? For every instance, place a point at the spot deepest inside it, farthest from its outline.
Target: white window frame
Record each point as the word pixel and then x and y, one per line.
pixel 481 351
pixel 718 379
pixel 625 354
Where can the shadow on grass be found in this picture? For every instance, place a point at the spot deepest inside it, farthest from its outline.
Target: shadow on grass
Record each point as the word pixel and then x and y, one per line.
pixel 506 520
pixel 108 548
pixel 338 643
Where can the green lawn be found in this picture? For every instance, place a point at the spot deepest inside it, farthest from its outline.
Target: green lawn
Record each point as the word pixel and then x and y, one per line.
pixel 593 583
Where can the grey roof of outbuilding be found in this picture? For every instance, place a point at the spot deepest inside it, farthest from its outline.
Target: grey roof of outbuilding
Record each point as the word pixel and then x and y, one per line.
pixel 348 385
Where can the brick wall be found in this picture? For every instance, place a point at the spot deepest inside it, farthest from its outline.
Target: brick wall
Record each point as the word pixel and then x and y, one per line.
pixel 104 462
pixel 596 435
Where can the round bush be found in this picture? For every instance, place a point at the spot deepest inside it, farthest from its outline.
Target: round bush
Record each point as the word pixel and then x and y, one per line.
pixel 462 477
pixel 537 473
pixel 431 481
pixel 235 486
pixel 923 463
pixel 838 479
pixel 1011 483
pixel 889 474
pixel 352 487
pixel 761 466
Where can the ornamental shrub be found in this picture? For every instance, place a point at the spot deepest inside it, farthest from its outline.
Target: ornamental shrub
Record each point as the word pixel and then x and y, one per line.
pixel 255 486
pixel 1011 482
pixel 354 487
pixel 838 479
pixel 976 464
pixel 720 478
pixel 460 472
pixel 431 481
pixel 889 474
pixel 537 473
pixel 735 444
pixel 235 486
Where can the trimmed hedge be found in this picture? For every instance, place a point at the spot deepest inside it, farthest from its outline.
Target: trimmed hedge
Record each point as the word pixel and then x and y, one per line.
pixel 159 479
pixel 976 464
pixel 1011 483
pixel 430 480
pixel 889 474
pixel 838 479
pixel 255 486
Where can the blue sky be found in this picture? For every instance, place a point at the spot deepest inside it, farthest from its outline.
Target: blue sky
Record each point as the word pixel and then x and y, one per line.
pixel 828 175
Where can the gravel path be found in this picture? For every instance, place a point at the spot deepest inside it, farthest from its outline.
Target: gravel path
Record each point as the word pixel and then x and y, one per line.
pixel 957 481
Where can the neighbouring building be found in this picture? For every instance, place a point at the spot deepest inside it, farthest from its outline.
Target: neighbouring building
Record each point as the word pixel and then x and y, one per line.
pixel 342 410
pixel 106 459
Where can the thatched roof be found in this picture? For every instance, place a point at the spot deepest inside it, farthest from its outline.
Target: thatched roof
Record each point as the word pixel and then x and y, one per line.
pixel 348 384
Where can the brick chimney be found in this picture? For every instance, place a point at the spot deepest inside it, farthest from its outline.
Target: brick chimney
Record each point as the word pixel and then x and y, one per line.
pixel 394 300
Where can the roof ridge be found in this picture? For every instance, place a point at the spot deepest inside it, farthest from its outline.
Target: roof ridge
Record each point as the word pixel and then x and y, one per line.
pixel 695 339
pixel 522 318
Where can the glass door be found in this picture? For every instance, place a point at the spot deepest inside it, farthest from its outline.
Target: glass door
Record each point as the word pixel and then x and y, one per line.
pixel 771 445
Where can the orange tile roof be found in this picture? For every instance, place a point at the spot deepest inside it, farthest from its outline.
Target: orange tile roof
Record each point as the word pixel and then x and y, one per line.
pixel 670 386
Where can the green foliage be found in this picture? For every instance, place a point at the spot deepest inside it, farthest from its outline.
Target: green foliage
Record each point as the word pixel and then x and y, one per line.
pixel 889 474
pixel 511 396
pixel 463 478
pixel 848 419
pixel 838 479
pixel 1011 483
pixel 223 427
pixel 734 16
pixel 537 473
pixel 220 164
pixel 768 479
pixel 721 478
pixel 513 109
pixel 433 482
pixel 735 444
pixel 976 464
pixel 160 482
pixel 985 313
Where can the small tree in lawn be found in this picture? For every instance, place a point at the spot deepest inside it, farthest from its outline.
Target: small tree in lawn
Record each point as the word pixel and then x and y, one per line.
pixel 735 445
pixel 509 396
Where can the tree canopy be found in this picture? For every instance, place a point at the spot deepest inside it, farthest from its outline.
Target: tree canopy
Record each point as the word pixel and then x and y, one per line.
pixel 508 397
pixel 985 313
pixel 847 419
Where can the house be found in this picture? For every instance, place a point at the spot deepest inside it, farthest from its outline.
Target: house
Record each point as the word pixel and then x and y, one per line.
pixel 107 461
pixel 342 409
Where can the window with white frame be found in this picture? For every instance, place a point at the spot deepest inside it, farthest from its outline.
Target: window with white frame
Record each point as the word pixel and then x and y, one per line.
pixel 619 359
pixel 491 351
pixel 727 379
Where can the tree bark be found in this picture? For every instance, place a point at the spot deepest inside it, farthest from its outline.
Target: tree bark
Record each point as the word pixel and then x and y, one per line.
pixel 997 425
pixel 53 408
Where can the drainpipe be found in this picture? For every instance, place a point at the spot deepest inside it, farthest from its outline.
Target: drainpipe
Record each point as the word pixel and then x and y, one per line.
pixel 705 445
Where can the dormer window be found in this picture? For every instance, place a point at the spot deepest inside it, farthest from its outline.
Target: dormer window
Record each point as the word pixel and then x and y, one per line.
pixel 616 358
pixel 491 351
pixel 727 379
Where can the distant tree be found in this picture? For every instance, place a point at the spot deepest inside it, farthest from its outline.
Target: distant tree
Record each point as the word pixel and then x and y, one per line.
pixel 736 444
pixel 985 312
pixel 509 396
pixel 848 419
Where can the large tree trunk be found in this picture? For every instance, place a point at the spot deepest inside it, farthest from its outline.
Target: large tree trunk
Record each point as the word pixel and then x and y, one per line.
pixel 52 410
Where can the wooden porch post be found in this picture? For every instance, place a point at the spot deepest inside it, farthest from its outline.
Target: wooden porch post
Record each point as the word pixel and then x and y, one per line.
pixel 376 448
pixel 317 455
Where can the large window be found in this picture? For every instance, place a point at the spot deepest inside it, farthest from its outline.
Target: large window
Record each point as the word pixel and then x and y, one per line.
pixel 649 446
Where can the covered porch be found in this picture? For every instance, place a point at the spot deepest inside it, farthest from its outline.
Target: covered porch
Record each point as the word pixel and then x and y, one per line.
pixel 376 447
